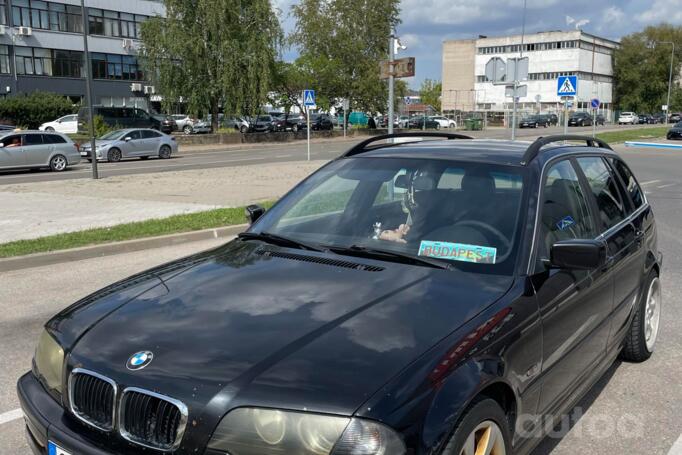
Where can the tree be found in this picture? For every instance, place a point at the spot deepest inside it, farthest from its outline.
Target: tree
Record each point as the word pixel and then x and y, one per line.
pixel 32 109
pixel 212 53
pixel 340 44
pixel 430 92
pixel 642 68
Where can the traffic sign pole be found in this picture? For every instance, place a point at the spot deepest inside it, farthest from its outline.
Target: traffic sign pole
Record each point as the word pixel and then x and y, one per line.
pixel 566 115
pixel 391 84
pixel 307 119
pixel 308 102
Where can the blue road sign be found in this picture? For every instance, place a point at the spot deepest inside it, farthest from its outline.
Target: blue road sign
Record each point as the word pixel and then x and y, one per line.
pixel 309 98
pixel 567 86
pixel 595 103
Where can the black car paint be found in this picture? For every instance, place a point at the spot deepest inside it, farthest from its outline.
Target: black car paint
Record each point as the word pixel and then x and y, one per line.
pixel 535 341
pixel 580 119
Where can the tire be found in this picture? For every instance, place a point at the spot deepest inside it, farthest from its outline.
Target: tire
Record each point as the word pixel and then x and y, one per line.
pixel 437 126
pixel 640 340
pixel 49 128
pixel 668 136
pixel 482 413
pixel 535 126
pixel 294 128
pixel 114 155
pixel 243 129
pixel 187 129
pixel 58 163
pixel 164 152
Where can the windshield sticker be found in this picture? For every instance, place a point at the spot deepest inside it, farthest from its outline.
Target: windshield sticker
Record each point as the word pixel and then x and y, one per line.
pixel 565 223
pixel 458 252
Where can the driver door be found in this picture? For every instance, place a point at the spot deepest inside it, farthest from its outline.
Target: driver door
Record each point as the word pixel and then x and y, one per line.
pixel 574 304
pixel 133 147
pixel 12 155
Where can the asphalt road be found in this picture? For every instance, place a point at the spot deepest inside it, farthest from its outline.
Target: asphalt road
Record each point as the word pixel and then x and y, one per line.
pixel 251 154
pixel 634 409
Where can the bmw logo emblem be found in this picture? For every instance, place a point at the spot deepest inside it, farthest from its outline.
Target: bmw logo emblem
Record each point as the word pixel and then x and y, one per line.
pixel 139 360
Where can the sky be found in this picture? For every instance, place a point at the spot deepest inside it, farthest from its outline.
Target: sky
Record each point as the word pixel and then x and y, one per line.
pixel 427 23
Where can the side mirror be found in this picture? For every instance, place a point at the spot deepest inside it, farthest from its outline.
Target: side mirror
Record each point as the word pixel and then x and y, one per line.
pixel 253 212
pixel 578 254
pixel 2 145
pixel 128 139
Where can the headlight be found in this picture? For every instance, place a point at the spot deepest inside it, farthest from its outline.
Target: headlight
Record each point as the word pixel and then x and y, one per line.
pixel 251 431
pixel 49 361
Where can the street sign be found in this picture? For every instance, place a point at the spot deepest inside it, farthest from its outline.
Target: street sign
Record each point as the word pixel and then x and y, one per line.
pixel 664 107
pixel 521 91
pixel 595 103
pixel 402 67
pixel 567 86
pixel 408 100
pixel 495 70
pixel 517 67
pixel 309 98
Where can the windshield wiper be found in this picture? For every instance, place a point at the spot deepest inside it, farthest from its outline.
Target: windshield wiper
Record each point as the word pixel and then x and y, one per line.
pixel 279 240
pixel 381 254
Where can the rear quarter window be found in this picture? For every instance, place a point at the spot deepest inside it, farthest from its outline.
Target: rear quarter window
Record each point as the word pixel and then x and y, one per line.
pixel 631 185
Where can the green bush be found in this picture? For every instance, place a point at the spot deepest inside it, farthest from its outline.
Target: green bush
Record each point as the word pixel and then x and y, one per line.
pixel 30 110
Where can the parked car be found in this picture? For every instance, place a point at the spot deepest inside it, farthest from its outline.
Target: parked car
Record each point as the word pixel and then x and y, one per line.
pixel 183 122
pixel 660 118
pixel 418 123
pixel 444 121
pixel 37 149
pixel 289 122
pixel 131 143
pixel 67 125
pixel 320 122
pixel 534 121
pixel 600 120
pixel 117 117
pixel 550 119
pixel 166 123
pixel 580 119
pixel 261 124
pixel 627 118
pixel 644 119
pixel 327 327
pixel 201 127
pixel 233 122
pixel 674 118
pixel 403 120
pixel 675 132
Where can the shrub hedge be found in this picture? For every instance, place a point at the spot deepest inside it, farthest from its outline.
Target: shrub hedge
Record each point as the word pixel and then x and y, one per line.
pixel 32 109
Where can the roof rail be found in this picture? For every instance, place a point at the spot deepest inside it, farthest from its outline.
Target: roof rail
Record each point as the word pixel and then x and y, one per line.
pixel 534 149
pixel 362 146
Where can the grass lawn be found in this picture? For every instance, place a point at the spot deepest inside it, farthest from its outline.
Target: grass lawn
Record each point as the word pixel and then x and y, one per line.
pixel 634 134
pixel 128 231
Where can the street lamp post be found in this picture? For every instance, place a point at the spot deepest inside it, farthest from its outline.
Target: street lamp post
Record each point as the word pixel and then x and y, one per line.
pixel 88 91
pixel 670 76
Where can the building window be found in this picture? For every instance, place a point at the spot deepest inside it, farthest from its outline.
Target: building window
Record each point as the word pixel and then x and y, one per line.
pixel 113 23
pixel 3 13
pixel 48 62
pixel 43 15
pixel 117 67
pixel 4 59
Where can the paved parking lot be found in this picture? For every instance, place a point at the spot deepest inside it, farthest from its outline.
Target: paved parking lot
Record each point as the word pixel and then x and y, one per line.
pixel 634 409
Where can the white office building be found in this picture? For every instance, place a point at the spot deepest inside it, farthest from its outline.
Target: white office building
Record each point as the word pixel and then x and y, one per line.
pixel 550 54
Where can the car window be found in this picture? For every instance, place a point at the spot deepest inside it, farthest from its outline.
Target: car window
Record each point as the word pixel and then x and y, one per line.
pixel 134 134
pixel 139 113
pixel 459 212
pixel 564 213
pixel 150 134
pixel 33 139
pixel 70 118
pixel 605 189
pixel 53 139
pixel 11 141
pixel 631 185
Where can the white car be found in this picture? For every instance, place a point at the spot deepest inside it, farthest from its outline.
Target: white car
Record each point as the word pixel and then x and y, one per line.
pixel 66 124
pixel 184 122
pixel 444 121
pixel 628 117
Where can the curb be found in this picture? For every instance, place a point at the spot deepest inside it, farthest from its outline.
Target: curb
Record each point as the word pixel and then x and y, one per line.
pixel 111 249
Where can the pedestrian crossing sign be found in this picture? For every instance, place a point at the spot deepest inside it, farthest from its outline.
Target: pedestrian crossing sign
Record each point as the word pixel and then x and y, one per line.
pixel 309 98
pixel 567 86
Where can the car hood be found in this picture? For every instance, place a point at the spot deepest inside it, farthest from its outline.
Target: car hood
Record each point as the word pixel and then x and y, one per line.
pixel 258 325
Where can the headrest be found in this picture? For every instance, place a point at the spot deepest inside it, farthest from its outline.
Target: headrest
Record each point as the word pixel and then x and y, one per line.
pixel 478 183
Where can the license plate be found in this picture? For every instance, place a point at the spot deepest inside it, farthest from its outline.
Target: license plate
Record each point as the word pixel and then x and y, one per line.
pixel 84 153
pixel 54 449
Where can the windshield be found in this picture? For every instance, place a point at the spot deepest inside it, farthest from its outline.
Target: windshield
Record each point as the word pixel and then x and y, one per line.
pixel 461 213
pixel 116 134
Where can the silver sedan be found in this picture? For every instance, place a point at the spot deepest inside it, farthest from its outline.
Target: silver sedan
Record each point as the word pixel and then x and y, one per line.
pixel 131 143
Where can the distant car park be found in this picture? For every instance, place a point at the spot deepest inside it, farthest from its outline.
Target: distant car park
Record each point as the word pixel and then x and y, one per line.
pixel 580 119
pixel 117 117
pixel 534 121
pixel 627 118
pixel 675 118
pixel 419 122
pixel 37 149
pixel 444 121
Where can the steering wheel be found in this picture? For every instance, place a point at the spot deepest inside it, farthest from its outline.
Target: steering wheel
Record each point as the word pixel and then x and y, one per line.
pixel 485 226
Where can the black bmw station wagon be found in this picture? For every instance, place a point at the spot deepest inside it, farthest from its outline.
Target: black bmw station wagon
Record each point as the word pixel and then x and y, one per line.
pixel 421 295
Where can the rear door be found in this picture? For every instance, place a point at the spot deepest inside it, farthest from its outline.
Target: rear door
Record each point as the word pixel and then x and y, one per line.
pixel 150 142
pixel 11 154
pixel 35 151
pixel 574 304
pixel 616 228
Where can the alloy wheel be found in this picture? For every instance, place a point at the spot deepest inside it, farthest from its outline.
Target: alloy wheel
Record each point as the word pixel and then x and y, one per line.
pixel 165 152
pixel 486 439
pixel 58 163
pixel 652 314
pixel 114 155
